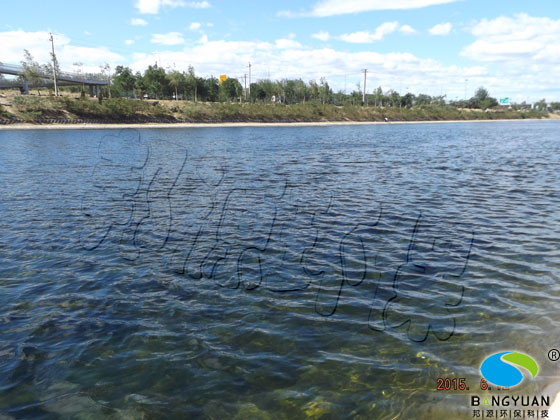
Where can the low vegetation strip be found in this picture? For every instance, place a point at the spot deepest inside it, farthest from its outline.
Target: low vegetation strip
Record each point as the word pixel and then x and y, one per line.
pixel 50 109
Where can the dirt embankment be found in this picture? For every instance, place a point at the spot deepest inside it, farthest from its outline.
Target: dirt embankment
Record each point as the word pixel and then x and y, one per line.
pixel 42 108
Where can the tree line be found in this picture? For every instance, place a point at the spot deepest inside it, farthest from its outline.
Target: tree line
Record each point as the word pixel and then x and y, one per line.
pixel 158 83
pixel 155 82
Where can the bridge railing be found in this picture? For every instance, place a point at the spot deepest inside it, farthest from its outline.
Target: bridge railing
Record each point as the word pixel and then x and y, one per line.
pixel 63 75
pixel 10 67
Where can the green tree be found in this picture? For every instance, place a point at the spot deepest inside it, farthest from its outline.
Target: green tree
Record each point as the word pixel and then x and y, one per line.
pixel 176 80
pixel 124 82
pixel 482 99
pixel 105 73
pixel 408 100
pixel 438 100
pixel 265 89
pixel 480 94
pixel 200 89
pixel 32 71
pixel 379 96
pixel 300 91
pixel 541 105
pixel 488 103
pixel 139 86
pixel 325 91
pixel 290 92
pixel 191 84
pixel 394 97
pixel 230 89
pixel 423 99
pixel 313 90
pixel 212 88
pixel 155 82
pixel 258 92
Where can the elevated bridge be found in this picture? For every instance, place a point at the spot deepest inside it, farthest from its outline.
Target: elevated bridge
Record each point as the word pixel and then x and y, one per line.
pixel 62 78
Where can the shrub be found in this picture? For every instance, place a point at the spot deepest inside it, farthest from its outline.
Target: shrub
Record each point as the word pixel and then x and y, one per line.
pixel 4 113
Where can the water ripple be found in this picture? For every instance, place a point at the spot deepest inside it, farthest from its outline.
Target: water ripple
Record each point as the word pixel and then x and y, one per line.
pixel 330 272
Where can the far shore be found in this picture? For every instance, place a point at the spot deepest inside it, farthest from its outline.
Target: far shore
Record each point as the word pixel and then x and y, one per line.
pixel 18 112
pixel 120 126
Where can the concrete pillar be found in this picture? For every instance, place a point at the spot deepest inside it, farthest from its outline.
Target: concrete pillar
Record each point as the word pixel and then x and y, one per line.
pixel 25 87
pixel 91 91
pixel 96 91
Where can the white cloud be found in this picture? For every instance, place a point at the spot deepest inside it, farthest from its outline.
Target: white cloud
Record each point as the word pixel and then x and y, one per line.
pixel 154 6
pixel 12 44
pixel 361 37
pixel 337 7
pixel 441 29
pixel 138 22
pixel 521 39
pixel 87 33
pixel 321 36
pixel 148 6
pixel 195 26
pixel 364 37
pixel 129 41
pixel 287 43
pixel 407 30
pixel 170 38
pixel 523 49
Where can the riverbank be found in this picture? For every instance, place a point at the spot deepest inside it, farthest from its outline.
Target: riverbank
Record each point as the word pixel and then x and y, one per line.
pixel 19 111
pixel 39 111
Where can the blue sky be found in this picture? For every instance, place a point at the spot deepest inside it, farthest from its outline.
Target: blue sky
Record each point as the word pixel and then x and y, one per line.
pixel 430 46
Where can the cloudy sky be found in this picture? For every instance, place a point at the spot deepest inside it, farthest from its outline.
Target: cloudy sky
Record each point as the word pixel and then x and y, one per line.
pixel 430 46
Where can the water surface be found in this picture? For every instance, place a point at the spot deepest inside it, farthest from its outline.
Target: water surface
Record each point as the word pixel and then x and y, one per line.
pixel 309 272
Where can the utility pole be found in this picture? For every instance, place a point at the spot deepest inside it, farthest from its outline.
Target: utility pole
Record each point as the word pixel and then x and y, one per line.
pixel 249 81
pixel 245 77
pixel 364 92
pixel 54 65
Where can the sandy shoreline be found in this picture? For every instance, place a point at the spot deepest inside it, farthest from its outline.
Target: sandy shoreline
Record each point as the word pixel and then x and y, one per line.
pixel 93 126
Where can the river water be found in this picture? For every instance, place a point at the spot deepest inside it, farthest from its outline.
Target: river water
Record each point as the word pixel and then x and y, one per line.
pixel 274 272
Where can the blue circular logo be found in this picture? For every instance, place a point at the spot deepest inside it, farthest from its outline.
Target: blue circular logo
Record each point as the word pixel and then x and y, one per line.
pixel 501 368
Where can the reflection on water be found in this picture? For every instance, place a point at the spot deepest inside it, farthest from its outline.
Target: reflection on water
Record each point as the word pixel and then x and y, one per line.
pixel 316 272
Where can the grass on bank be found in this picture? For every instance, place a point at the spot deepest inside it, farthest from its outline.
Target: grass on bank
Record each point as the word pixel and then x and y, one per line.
pixel 3 113
pixel 37 108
